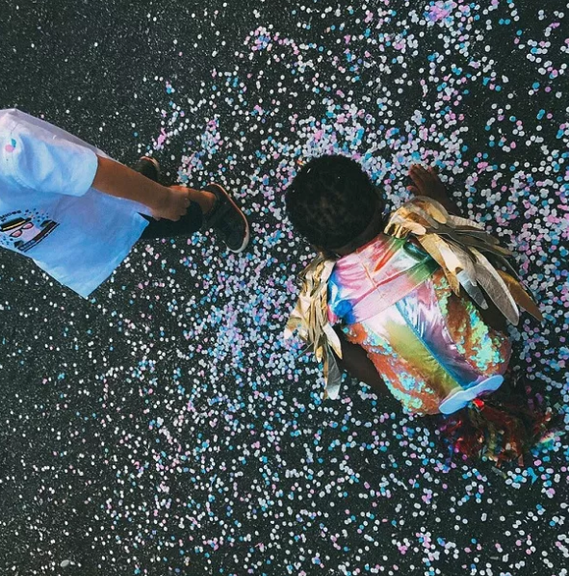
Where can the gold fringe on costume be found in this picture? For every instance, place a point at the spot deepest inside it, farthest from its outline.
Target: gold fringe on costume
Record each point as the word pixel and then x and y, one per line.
pixel 464 251
pixel 310 319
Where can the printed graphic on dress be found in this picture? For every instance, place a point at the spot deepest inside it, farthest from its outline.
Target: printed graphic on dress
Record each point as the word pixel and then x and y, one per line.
pixel 24 230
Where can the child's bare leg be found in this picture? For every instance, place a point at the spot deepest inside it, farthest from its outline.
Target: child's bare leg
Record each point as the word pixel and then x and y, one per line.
pixel 356 362
pixel 206 200
pixel 493 317
pixel 149 167
pixel 219 212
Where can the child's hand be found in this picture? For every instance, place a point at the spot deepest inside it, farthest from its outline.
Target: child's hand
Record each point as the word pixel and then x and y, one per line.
pixel 427 183
pixel 174 205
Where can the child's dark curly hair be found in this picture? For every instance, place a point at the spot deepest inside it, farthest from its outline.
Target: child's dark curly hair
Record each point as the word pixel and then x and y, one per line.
pixel 331 201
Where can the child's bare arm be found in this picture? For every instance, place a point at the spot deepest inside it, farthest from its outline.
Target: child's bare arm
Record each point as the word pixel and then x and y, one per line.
pixel 118 180
pixel 427 183
pixel 356 362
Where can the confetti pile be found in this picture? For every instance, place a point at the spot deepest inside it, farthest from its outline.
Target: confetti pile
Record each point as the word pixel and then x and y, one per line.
pixel 164 426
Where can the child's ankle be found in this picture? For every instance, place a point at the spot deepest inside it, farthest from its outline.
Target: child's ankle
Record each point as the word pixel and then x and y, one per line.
pixel 209 202
pixel 205 200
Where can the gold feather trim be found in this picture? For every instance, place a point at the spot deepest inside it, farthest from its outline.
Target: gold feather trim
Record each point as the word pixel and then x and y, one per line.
pixel 310 319
pixel 462 249
pixel 523 299
pixel 431 243
pixel 495 287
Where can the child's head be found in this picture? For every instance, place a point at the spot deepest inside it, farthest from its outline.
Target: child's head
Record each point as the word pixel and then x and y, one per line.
pixel 331 201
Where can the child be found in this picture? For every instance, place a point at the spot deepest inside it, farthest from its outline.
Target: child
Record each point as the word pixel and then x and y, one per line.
pixel 77 213
pixel 392 301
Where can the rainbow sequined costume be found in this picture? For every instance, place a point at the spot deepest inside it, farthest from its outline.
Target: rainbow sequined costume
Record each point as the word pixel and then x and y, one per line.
pixel 404 297
pixel 427 343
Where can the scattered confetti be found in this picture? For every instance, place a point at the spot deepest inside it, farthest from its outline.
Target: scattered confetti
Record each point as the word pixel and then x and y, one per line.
pixel 164 426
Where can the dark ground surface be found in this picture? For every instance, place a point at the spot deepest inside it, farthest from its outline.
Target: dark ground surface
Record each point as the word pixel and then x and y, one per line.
pixel 164 427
